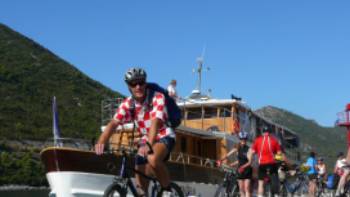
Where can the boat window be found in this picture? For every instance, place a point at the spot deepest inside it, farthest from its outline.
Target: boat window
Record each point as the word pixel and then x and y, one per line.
pixel 210 113
pixel 225 112
pixel 183 144
pixel 195 113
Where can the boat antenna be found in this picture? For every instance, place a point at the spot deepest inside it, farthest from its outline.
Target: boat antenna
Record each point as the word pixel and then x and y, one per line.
pixel 200 62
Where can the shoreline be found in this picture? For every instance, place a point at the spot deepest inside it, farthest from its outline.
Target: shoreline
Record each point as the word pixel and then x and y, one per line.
pixel 22 187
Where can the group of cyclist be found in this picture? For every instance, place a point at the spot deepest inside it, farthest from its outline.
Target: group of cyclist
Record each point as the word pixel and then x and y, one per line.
pixel 270 157
pixel 157 137
pixel 267 152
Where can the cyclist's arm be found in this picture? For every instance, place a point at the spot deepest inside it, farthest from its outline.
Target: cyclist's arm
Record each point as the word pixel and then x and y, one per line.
pixel 234 150
pixel 250 155
pixel 155 125
pixel 234 164
pixel 109 129
pixel 158 117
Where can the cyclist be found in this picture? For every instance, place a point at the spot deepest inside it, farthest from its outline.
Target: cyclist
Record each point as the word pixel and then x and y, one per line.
pixel 266 146
pixel 312 173
pixel 321 169
pixel 149 118
pixel 342 170
pixel 244 168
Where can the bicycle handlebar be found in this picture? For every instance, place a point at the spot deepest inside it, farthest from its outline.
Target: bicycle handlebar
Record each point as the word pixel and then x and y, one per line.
pixel 150 148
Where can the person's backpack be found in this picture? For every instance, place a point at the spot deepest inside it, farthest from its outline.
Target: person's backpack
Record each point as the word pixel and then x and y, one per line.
pixel 174 112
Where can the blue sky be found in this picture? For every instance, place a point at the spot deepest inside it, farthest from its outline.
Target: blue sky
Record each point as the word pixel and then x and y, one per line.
pixel 290 54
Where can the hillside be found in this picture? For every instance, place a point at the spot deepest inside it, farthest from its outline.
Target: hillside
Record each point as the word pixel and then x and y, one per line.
pixel 30 76
pixel 326 141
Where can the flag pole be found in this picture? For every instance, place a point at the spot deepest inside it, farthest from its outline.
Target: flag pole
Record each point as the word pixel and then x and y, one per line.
pixel 55 129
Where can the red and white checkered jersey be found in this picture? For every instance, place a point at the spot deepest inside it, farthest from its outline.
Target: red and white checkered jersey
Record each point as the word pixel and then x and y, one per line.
pixel 144 116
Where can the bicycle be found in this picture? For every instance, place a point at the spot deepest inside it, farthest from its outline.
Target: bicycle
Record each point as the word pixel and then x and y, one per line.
pixel 283 176
pixel 229 187
pixel 123 183
pixel 320 186
pixel 300 185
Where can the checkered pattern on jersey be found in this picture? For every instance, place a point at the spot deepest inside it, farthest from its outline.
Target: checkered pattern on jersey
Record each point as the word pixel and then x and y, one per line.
pixel 144 116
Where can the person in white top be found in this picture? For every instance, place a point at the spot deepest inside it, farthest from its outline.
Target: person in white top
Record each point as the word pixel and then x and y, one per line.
pixel 321 169
pixel 342 169
pixel 172 89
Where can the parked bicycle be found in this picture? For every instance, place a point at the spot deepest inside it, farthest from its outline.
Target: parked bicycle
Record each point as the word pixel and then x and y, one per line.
pixel 123 183
pixel 300 185
pixel 229 187
pixel 321 187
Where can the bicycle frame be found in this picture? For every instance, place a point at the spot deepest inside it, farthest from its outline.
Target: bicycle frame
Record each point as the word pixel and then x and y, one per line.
pixel 125 179
pixel 229 186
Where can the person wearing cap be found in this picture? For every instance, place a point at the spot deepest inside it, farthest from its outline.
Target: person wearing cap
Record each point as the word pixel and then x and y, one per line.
pixel 149 119
pixel 266 146
pixel 244 168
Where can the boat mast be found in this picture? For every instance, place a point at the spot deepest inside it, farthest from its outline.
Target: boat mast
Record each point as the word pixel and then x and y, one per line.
pixel 199 71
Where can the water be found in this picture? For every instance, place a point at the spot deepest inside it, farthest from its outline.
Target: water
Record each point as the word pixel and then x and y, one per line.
pixel 25 193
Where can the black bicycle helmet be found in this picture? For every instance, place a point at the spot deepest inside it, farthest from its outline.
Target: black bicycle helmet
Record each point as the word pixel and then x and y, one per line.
pixel 135 74
pixel 266 129
pixel 243 135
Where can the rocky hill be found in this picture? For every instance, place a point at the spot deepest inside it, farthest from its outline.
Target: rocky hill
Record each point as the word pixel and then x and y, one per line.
pixel 30 75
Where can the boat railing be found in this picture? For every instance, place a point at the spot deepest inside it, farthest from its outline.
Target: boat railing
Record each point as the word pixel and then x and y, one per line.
pixel 178 157
pixel 191 159
pixel 69 143
pixel 343 118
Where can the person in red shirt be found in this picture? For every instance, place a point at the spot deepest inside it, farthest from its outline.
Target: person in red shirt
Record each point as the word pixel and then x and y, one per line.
pixel 150 120
pixel 266 146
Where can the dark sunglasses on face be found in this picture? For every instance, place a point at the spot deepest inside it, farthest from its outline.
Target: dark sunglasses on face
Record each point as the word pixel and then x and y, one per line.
pixel 134 84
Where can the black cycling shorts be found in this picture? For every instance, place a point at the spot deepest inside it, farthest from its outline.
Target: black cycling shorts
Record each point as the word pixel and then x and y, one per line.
pixel 265 169
pixel 246 174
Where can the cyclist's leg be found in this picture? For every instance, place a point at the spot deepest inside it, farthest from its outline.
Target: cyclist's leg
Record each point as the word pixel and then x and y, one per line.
pixel 342 181
pixel 141 182
pixel 261 175
pixel 312 184
pixel 246 177
pixel 241 187
pixel 275 183
pixel 260 188
pixel 247 187
pixel 157 160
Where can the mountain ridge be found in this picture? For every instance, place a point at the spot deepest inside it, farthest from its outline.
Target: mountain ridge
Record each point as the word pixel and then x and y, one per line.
pixel 30 75
pixel 325 141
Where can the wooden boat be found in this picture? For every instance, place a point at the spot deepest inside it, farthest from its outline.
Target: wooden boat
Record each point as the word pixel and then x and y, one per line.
pixel 208 131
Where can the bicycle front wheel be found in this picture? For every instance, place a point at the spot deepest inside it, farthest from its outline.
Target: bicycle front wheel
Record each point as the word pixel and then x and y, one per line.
pixel 175 190
pixel 115 190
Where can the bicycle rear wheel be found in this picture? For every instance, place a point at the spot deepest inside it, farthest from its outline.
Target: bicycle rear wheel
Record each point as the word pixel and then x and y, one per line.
pixel 175 191
pixel 115 190
pixel 234 190
pixel 221 191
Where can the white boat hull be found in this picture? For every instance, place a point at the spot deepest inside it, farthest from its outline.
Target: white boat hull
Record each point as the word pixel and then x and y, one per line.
pixel 79 184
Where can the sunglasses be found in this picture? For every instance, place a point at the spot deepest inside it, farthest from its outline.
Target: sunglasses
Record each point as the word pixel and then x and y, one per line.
pixel 134 84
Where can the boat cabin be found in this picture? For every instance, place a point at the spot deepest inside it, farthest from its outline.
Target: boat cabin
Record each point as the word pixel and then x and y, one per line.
pixel 208 130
